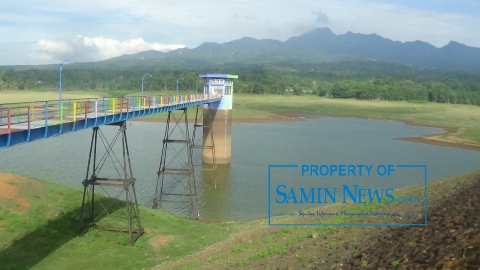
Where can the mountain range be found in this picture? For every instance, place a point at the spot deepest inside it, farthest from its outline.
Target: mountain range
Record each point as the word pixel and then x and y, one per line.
pixel 316 46
pixel 320 45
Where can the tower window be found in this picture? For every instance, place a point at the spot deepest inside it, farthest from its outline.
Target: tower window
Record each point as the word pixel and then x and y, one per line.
pixel 216 81
pixel 228 90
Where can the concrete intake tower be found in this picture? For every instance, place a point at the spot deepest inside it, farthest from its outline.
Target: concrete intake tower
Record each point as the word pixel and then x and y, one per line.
pixel 218 118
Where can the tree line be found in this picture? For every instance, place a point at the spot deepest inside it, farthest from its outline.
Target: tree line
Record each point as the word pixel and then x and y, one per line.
pixel 359 80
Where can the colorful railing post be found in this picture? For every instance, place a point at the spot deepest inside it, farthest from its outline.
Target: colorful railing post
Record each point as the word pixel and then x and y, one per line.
pixel 9 121
pixel 61 113
pixel 46 120
pixel 28 119
pixel 134 100
pixel 74 115
pixel 86 110
pixel 74 111
pixel 96 111
pixel 105 111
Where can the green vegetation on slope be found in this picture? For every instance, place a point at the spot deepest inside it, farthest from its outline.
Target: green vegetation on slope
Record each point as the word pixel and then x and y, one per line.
pixel 39 228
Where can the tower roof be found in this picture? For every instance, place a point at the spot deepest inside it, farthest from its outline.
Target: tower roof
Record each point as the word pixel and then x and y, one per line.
pixel 219 76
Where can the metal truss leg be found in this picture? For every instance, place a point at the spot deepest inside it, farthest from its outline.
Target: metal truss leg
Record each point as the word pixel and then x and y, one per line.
pixel 175 176
pixel 205 142
pixel 124 184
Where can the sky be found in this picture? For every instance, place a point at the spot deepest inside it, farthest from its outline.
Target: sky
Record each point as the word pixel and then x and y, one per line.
pixel 50 31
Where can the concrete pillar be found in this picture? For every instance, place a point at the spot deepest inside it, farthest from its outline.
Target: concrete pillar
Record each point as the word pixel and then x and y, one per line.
pixel 221 120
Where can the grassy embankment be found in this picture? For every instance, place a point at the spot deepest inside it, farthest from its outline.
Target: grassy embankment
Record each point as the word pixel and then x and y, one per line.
pixel 39 229
pixel 39 225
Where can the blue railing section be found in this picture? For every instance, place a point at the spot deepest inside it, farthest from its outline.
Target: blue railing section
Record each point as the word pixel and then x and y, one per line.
pixel 29 121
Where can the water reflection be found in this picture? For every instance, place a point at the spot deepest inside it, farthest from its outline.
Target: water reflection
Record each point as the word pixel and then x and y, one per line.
pixel 214 192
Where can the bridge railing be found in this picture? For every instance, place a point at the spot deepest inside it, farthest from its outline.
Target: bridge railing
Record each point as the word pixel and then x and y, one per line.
pixel 25 115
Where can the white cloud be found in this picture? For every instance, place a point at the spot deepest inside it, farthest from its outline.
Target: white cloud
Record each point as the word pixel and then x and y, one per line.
pixel 321 16
pixel 54 47
pixel 83 49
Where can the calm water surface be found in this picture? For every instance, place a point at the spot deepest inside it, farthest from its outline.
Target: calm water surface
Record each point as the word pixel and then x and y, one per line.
pixel 242 186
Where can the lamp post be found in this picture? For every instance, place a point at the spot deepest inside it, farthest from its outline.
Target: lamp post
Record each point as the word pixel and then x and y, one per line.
pixel 142 82
pixel 60 84
pixel 177 83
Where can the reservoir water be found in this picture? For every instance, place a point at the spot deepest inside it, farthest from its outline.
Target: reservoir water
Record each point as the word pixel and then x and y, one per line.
pixel 242 187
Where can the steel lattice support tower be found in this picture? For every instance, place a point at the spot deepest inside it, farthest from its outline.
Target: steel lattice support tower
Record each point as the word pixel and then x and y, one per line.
pixel 205 142
pixel 175 176
pixel 125 182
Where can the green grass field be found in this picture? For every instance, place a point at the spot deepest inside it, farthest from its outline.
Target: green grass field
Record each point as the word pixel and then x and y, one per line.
pixel 28 96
